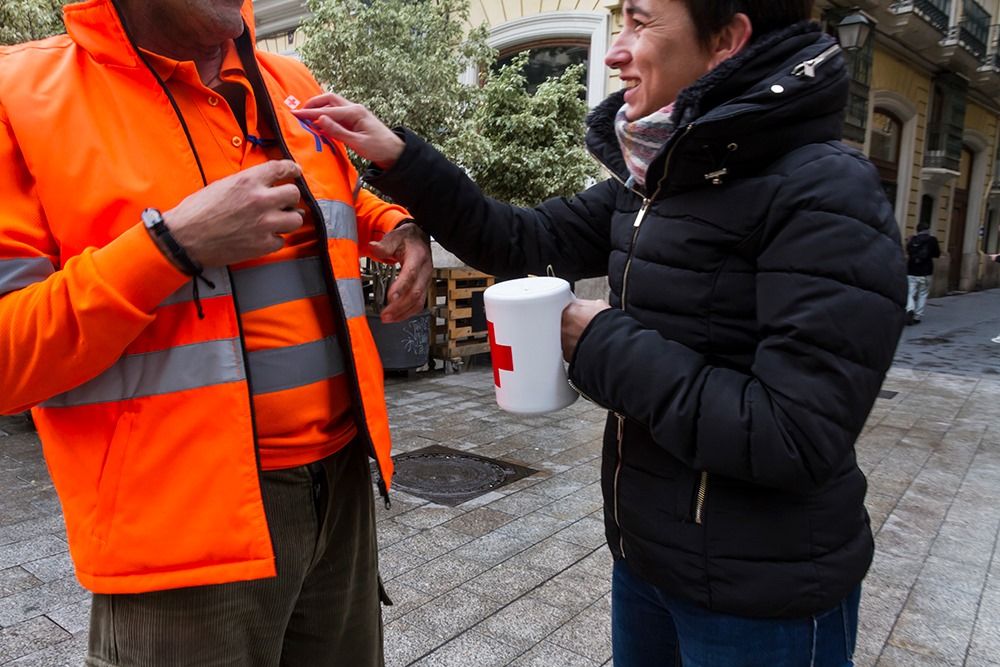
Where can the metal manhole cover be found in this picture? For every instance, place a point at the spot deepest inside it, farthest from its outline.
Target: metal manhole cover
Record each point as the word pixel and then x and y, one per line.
pixel 451 477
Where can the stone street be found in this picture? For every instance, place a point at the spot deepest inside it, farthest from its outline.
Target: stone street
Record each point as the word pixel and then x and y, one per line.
pixel 520 576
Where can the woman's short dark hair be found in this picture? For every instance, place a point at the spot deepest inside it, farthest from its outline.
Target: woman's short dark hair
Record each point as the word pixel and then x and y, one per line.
pixel 711 16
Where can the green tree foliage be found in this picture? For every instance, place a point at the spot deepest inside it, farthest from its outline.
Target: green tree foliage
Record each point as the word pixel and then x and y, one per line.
pixel 528 147
pixel 25 20
pixel 404 59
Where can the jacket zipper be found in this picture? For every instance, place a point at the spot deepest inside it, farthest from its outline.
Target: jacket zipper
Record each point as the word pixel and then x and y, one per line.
pixel 808 67
pixel 646 202
pixel 699 506
pixel 307 195
pixel 628 264
pixel 618 472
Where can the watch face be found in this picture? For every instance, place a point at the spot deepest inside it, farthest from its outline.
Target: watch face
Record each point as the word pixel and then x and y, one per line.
pixel 151 217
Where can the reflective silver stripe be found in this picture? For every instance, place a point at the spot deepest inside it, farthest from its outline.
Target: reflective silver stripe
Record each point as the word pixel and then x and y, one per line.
pixel 280 282
pixel 162 372
pixel 18 273
pixel 339 219
pixel 219 276
pixel 287 367
pixel 351 296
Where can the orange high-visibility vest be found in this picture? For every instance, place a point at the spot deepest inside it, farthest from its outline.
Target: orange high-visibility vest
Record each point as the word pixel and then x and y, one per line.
pixel 144 409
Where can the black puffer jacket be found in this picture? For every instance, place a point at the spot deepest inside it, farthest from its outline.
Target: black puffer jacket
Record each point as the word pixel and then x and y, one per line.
pixel 756 311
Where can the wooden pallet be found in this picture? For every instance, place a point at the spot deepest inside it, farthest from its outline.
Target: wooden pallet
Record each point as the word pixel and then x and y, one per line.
pixel 455 333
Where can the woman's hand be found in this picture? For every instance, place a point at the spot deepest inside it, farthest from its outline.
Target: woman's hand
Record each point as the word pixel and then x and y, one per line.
pixel 575 318
pixel 355 126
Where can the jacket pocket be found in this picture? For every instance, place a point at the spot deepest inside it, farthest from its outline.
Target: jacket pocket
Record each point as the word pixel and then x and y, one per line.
pixel 110 479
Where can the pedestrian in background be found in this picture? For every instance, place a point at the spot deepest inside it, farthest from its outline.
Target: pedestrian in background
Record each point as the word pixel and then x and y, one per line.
pixel 181 306
pixel 921 251
pixel 757 293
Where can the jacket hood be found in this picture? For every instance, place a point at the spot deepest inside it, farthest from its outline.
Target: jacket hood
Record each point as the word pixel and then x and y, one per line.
pixel 98 27
pixel 745 113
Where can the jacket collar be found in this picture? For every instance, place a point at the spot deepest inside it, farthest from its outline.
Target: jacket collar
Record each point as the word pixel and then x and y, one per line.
pixel 98 28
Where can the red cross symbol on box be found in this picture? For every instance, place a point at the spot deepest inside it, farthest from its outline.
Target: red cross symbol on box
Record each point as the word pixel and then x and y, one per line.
pixel 503 358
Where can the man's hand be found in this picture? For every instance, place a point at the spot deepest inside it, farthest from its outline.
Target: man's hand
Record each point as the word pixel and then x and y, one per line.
pixel 575 318
pixel 355 126
pixel 408 245
pixel 239 217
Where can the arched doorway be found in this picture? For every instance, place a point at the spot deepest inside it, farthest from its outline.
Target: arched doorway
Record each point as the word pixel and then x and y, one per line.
pixel 959 214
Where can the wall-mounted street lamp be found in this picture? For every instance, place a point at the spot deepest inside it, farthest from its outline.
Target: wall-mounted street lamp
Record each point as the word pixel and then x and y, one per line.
pixel 853 31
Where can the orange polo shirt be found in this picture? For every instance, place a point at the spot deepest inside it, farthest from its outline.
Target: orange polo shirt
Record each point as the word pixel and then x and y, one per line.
pixel 306 423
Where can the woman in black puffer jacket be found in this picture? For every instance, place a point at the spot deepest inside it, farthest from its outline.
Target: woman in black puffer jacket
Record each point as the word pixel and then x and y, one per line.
pixel 757 295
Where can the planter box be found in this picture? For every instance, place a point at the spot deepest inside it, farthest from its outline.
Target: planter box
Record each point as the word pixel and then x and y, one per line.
pixel 402 345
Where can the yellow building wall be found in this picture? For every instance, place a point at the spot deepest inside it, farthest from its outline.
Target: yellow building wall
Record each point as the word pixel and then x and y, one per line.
pixel 283 43
pixel 617 22
pixel 890 74
pixel 985 122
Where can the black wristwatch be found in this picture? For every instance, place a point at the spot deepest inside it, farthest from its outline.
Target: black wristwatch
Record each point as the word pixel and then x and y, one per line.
pixel 160 233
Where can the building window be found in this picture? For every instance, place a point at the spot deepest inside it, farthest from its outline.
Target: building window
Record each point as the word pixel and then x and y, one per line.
pixel 557 35
pixel 548 59
pixel 887 131
pixel 946 122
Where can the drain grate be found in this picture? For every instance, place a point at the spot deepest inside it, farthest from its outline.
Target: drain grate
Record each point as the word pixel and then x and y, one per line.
pixel 451 477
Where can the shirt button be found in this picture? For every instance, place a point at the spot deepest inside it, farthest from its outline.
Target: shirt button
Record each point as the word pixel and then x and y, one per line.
pixel 213 101
pixel 237 141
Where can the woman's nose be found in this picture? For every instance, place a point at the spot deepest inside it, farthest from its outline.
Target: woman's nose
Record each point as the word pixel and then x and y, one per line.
pixel 618 54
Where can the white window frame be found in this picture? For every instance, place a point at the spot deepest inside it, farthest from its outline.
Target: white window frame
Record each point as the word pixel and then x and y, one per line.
pixel 592 26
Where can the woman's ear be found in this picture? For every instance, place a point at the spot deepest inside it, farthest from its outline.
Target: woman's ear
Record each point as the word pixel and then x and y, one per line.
pixel 730 40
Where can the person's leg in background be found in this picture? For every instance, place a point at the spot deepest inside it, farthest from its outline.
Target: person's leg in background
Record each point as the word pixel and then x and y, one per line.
pixel 923 284
pixel 911 294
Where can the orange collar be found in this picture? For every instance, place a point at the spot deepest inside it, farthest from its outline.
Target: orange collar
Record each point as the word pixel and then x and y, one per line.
pixel 167 67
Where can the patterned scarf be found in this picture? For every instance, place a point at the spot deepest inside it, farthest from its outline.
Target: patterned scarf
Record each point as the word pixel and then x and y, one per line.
pixel 641 140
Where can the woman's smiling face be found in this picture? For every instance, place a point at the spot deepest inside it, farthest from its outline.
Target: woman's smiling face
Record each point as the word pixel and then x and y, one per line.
pixel 657 54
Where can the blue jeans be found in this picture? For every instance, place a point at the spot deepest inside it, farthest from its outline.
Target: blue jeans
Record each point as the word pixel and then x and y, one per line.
pixel 651 629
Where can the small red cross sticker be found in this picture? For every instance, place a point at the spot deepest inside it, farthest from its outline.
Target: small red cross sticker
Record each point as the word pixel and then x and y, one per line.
pixel 503 358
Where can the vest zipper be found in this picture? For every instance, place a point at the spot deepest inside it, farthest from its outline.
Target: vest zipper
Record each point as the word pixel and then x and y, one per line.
pixel 699 506
pixel 236 306
pixel 257 83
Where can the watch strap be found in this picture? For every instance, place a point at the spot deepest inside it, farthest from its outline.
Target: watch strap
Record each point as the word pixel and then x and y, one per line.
pixel 175 252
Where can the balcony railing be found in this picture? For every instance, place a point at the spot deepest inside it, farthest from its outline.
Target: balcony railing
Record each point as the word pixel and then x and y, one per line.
pixel 974 28
pixel 935 12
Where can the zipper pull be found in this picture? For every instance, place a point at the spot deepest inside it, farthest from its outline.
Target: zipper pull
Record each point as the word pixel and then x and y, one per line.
pixel 642 213
pixel 807 68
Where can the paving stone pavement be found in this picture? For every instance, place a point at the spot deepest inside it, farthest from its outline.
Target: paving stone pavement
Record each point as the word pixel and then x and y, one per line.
pixel 521 577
